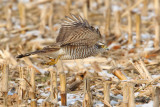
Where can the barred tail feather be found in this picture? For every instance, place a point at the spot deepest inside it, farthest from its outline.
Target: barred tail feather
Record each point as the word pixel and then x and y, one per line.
pixel 28 54
pixel 24 55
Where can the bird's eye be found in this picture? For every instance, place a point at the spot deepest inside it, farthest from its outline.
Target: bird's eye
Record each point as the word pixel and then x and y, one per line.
pixel 102 46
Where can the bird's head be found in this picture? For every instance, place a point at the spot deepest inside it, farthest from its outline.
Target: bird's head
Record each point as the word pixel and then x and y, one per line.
pixel 101 46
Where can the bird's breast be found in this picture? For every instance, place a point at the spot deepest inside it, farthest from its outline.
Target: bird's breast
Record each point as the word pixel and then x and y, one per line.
pixel 77 52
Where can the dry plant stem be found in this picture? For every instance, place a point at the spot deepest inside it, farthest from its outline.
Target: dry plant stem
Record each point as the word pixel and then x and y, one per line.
pixel 60 66
pixel 63 89
pixel 118 24
pixel 88 60
pixel 156 5
pixel 22 15
pixel 50 18
pixel 33 18
pixel 107 18
pixel 119 74
pixel 75 84
pixel 27 82
pixel 87 102
pixel 148 75
pixel 90 4
pixel 142 70
pixel 48 104
pixel 139 81
pixel 5 72
pixel 96 66
pixel 33 88
pixel 8 17
pixel 24 29
pixel 99 97
pixel 157 27
pixel 4 87
pixel 125 94
pixel 146 92
pixel 43 104
pixel 129 27
pixel 106 103
pixel 85 9
pixel 132 7
pixel 128 94
pixel 139 69
pixel 22 87
pixel 138 30
pixel 54 91
pixel 107 86
pixel 68 6
pixel 157 33
pixel 131 102
pixel 43 19
pixel 148 84
pixel 35 3
pixel 156 94
pixel 145 7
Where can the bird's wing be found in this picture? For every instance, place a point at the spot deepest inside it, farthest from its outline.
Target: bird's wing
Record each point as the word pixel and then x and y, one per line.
pixel 76 30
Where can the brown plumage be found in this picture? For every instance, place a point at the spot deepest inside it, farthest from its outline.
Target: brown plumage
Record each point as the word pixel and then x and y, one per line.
pixel 76 40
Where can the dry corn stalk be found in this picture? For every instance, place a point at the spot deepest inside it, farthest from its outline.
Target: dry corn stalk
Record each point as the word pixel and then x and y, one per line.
pixel 85 9
pixel 132 7
pixel 125 94
pixel 87 102
pixel 145 8
pixel 22 15
pixel 50 18
pixel 43 19
pixel 118 23
pixel 157 23
pixel 35 3
pixel 54 91
pixel 118 73
pixel 107 18
pixel 140 67
pixel 156 94
pixel 8 17
pixel 33 88
pixel 23 85
pixel 68 6
pixel 129 27
pixel 107 86
pixel 147 84
pixel 63 89
pixel 128 94
pixel 4 83
pixel 96 66
pixel 138 30
pixel 131 101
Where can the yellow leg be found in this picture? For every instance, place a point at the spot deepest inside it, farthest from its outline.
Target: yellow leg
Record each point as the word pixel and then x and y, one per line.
pixel 53 61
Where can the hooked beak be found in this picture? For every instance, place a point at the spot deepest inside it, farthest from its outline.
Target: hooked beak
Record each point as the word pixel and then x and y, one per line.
pixel 106 48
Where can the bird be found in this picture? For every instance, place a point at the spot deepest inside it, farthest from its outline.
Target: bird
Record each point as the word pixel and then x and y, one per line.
pixel 77 39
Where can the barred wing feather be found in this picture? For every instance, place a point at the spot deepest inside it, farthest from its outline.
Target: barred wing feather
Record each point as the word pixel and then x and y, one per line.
pixel 76 30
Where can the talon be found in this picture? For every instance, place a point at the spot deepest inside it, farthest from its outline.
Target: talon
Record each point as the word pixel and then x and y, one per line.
pixel 52 61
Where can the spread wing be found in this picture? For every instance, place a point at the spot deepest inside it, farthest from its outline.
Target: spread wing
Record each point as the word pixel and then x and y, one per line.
pixel 76 31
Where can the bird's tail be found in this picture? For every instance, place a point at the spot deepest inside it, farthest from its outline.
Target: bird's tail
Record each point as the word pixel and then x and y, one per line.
pixel 27 54
pixel 45 50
